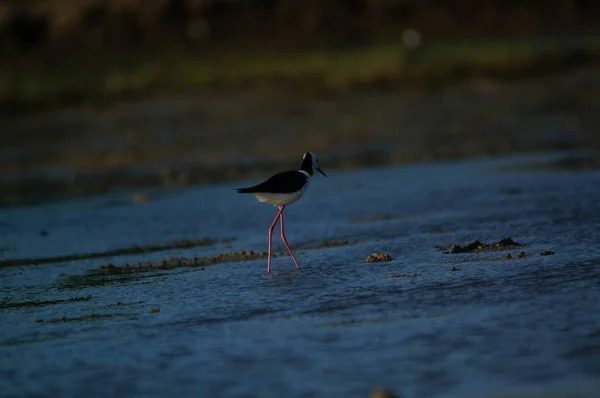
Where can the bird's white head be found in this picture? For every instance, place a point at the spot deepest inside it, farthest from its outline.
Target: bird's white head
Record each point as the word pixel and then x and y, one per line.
pixel 310 162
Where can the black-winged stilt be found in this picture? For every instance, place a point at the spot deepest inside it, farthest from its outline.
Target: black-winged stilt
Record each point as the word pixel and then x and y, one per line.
pixel 283 189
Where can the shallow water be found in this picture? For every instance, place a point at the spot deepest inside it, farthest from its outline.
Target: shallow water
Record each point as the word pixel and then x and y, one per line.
pixel 337 327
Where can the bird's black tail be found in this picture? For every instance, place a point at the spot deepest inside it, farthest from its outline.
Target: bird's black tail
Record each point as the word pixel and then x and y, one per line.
pixel 244 190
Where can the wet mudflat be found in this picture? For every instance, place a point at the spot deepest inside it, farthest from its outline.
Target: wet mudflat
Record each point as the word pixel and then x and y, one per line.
pixel 210 137
pixel 489 286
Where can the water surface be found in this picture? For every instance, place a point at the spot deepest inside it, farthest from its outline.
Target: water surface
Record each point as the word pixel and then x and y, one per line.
pixel 446 325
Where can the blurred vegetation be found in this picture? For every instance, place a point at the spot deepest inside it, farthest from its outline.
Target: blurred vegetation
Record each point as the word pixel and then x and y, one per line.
pixel 30 25
pixel 62 51
pixel 317 70
pixel 361 82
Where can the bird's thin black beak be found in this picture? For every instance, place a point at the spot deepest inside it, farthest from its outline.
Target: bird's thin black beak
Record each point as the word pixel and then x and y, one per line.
pixel 321 171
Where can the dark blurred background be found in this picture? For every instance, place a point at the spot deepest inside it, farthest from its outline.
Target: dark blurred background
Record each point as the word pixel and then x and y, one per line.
pixel 70 27
pixel 97 96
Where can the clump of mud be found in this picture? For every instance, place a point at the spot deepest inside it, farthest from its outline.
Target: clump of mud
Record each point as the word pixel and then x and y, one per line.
pixel 477 247
pixel 378 258
pixel 383 394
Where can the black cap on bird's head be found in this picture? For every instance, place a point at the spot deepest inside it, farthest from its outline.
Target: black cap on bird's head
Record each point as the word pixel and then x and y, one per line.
pixel 310 162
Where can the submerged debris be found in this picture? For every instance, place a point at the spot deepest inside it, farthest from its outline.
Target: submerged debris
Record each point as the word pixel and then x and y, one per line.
pixel 511 191
pixel 378 258
pixel 199 261
pixel 547 253
pixel 84 317
pixel 93 276
pixel 477 246
pixel 334 243
pixel 22 304
pixel 176 262
pixel 154 310
pixel 136 249
pixel 90 316
pixel 84 298
pixel 454 269
pixel 375 218
pixel 403 275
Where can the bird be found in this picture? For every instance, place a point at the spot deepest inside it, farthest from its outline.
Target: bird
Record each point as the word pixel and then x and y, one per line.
pixel 283 189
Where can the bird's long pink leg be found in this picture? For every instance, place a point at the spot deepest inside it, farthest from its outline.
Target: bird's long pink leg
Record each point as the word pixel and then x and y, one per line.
pixel 271 236
pixel 285 240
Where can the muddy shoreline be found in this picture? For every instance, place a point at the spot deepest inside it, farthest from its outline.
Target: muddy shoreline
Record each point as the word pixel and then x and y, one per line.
pixel 209 138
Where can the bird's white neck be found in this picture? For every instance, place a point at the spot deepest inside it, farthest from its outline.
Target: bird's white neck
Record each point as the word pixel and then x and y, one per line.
pixel 305 173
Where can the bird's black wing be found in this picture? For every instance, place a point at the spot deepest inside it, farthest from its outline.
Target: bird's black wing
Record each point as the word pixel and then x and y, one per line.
pixel 284 182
